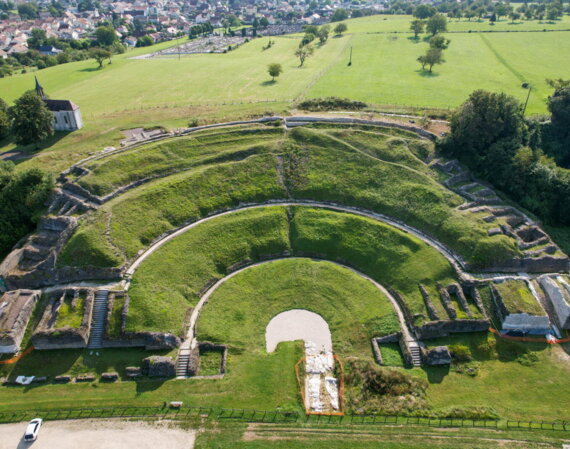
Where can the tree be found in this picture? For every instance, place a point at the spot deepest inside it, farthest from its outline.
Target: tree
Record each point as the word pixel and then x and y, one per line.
pixel 264 23
pixel 424 11
pixel 436 24
pixel 340 28
pixel 553 12
pixel 22 201
pixel 514 16
pixel 37 39
pixel 432 57
pixel 4 121
pixel 27 11
pixel 559 107
pixel 105 35
pixel 307 39
pixel 31 119
pixel 144 41
pixel 486 130
pixel 274 70
pixel 501 10
pixel 339 14
pixel 303 53
pixel 100 54
pixel 417 26
pixel 558 83
pixel 323 33
pixel 439 41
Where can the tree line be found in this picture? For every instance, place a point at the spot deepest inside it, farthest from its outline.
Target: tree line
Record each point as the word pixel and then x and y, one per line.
pixel 490 135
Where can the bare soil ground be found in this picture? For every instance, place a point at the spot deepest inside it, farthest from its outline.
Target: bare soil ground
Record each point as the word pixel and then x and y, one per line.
pixel 98 434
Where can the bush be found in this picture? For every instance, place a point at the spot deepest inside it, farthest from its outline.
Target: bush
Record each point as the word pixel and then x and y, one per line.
pixel 373 389
pixel 460 353
pixel 331 103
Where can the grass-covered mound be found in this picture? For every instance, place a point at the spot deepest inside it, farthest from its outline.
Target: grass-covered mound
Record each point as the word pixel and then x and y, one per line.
pixel 170 280
pixel 239 311
pixel 373 170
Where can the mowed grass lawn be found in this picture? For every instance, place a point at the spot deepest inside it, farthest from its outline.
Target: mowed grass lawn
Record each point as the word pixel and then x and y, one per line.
pixel 401 23
pixel 239 311
pixel 387 71
pixel 131 84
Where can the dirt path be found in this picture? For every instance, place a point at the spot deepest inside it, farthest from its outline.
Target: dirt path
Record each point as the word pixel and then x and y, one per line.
pixel 99 434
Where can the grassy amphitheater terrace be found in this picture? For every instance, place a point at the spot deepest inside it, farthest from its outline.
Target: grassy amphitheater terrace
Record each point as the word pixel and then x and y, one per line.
pixel 187 178
pixel 211 234
pixel 170 280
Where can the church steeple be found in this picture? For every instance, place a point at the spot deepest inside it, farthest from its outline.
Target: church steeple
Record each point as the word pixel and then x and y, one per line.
pixel 39 89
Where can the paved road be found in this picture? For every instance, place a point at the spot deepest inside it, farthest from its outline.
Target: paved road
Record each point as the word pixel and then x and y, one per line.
pixel 98 434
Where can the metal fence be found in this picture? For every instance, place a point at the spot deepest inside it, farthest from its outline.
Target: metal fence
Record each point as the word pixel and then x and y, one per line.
pixel 272 416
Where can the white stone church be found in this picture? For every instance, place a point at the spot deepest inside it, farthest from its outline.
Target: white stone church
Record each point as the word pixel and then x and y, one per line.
pixel 66 114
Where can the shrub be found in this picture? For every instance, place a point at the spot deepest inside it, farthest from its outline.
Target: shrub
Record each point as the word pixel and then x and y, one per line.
pixel 331 103
pixel 460 353
pixel 373 389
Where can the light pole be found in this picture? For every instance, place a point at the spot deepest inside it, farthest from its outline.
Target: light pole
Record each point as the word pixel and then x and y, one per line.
pixel 527 97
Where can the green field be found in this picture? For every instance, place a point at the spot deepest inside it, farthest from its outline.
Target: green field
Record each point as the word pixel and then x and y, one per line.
pixel 387 73
pixel 219 87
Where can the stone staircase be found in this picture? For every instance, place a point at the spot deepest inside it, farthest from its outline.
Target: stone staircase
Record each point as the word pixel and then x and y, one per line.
pixel 415 353
pixel 98 319
pixel 182 362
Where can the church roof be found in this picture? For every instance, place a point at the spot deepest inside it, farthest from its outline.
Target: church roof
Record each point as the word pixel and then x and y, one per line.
pixel 60 105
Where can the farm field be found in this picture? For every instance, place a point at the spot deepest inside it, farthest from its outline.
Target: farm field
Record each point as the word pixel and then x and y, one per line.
pixel 384 67
pixel 169 92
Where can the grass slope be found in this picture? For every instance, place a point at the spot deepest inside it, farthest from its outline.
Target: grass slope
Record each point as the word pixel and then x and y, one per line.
pixel 201 149
pixel 170 279
pixel 352 167
pixel 240 310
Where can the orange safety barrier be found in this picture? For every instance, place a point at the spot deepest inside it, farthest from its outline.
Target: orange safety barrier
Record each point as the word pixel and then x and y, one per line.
pixel 340 389
pixel 531 339
pixel 18 357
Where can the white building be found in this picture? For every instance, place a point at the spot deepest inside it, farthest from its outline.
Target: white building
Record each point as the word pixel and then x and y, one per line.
pixel 66 114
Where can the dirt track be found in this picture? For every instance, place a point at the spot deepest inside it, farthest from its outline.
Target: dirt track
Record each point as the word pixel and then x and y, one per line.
pixel 98 434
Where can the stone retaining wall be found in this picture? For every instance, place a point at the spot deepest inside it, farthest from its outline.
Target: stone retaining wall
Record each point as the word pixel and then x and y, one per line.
pixel 222 349
pixel 435 329
pixel 47 336
pixel 16 308
pixel 148 340
pixel 377 341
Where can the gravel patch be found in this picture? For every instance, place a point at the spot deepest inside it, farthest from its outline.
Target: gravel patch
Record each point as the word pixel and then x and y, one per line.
pixel 98 434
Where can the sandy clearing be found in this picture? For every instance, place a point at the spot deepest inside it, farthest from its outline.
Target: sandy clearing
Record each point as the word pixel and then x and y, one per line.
pixel 99 434
pixel 298 324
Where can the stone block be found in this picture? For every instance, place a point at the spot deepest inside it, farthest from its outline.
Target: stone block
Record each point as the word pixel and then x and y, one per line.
pixel 439 355
pixel 158 366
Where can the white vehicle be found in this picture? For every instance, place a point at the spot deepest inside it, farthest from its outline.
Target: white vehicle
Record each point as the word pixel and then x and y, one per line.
pixel 33 429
